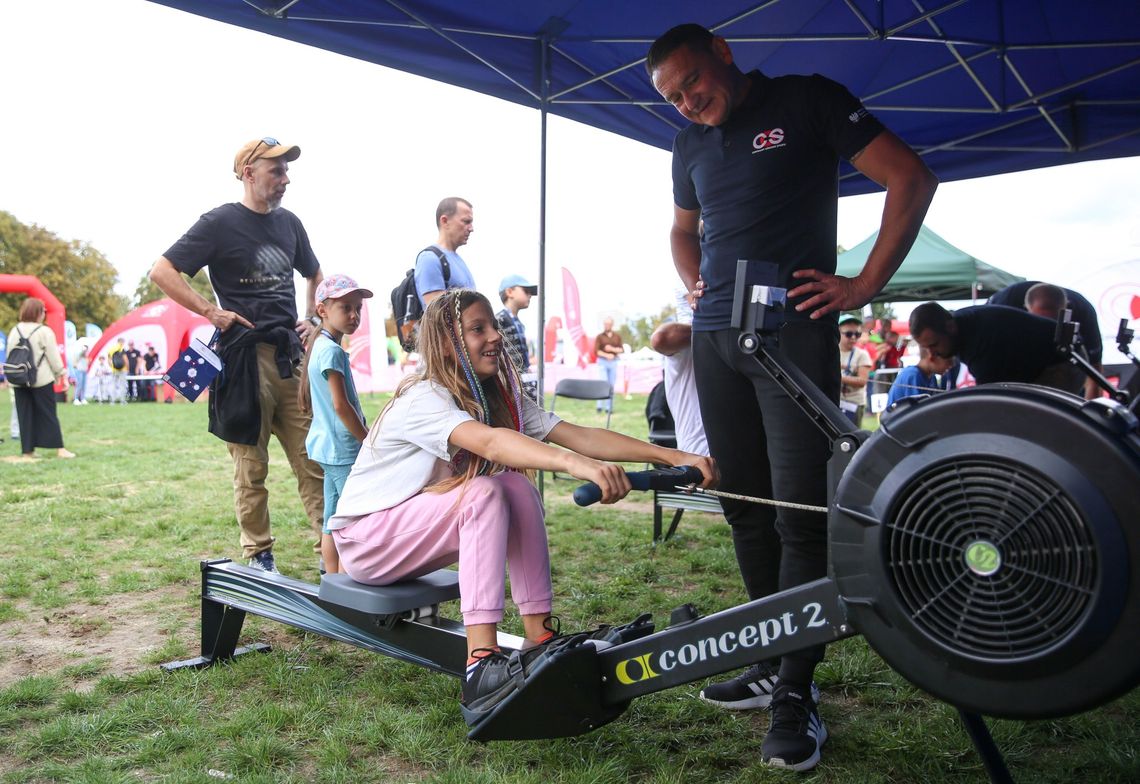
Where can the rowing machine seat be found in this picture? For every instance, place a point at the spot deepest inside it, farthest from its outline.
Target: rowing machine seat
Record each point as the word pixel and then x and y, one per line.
pixel 433 588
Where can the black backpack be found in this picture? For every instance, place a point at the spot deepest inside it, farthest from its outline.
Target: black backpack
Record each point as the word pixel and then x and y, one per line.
pixel 118 361
pixel 20 364
pixel 406 307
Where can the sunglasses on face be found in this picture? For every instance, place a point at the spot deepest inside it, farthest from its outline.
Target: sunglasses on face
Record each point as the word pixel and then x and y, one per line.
pixel 851 335
pixel 268 141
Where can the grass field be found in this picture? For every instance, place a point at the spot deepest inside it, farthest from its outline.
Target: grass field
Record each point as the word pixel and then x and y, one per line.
pixel 100 584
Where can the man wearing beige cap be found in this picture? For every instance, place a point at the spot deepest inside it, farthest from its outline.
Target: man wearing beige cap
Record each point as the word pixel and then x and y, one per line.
pixel 251 249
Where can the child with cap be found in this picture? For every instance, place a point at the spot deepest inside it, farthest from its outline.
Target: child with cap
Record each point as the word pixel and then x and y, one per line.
pixel 515 292
pixel 338 426
pixel 855 368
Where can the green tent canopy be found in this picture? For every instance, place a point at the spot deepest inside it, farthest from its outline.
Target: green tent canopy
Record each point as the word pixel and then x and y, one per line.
pixel 933 270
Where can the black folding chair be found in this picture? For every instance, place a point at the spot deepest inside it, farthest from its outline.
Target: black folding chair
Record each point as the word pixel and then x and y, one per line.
pixel 583 389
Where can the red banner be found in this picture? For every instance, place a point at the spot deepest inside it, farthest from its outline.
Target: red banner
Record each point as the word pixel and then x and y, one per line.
pixel 573 309
pixel 360 352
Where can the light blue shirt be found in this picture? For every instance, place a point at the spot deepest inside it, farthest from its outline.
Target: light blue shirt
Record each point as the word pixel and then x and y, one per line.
pixel 329 441
pixel 429 273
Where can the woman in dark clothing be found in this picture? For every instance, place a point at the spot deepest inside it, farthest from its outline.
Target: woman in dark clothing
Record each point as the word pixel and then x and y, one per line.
pixel 35 405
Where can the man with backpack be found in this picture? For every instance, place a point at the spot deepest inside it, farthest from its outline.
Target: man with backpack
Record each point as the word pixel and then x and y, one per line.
pixel 455 219
pixel 439 267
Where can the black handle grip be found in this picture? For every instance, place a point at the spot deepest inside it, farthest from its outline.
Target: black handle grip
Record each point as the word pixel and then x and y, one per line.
pixel 657 479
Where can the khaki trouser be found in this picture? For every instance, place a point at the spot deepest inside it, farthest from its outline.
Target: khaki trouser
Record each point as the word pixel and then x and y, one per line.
pixel 281 416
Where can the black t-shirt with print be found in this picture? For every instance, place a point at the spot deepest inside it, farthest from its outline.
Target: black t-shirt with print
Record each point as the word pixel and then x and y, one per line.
pixel 250 257
pixel 766 182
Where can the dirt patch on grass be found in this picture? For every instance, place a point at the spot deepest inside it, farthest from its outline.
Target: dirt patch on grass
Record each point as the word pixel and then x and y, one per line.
pixel 116 637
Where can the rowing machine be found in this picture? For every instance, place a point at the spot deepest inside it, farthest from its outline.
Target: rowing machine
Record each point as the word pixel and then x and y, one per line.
pixel 982 541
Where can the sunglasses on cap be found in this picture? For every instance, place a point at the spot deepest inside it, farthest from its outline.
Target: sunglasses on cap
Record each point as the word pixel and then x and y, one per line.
pixel 268 141
pixel 851 335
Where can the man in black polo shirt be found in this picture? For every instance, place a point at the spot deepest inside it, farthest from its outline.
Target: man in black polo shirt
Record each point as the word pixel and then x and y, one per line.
pixel 997 344
pixel 760 166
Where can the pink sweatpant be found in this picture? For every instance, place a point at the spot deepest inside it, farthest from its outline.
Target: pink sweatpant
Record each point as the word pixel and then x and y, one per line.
pixel 498 521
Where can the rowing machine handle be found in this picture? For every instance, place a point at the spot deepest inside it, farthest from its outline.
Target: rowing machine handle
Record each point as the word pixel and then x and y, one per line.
pixel 657 479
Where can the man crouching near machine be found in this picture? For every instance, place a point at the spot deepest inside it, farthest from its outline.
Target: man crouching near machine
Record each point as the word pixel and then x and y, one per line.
pixel 759 165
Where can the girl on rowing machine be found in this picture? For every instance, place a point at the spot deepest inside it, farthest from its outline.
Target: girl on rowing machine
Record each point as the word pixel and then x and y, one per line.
pixel 445 476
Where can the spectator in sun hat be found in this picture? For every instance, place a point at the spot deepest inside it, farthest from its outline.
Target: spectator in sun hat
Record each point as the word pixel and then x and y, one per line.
pixel 252 248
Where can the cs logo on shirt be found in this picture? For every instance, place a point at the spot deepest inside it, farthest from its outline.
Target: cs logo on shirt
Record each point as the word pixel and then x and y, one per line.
pixel 767 140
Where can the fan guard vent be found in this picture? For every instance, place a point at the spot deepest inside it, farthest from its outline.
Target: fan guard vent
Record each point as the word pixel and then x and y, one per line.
pixel 990 559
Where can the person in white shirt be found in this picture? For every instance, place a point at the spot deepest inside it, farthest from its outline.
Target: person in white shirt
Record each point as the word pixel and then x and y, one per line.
pixel 444 476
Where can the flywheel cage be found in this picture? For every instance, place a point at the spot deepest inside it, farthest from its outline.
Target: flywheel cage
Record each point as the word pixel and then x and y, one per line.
pixel 991 559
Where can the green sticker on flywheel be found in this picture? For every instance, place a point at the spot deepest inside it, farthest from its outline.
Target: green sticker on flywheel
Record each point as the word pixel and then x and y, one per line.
pixel 983 557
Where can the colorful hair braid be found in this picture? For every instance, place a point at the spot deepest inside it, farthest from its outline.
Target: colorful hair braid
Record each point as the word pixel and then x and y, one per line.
pixel 452 316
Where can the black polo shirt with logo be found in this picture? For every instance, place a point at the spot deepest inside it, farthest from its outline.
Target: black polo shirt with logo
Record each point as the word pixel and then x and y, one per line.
pixel 766 182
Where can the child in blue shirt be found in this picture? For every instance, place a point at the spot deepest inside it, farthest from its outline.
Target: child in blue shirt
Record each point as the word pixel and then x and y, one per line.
pixel 338 426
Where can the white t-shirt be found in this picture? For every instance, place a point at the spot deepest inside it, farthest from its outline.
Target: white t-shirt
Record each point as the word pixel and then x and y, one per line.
pixel 409 450
pixel 681 394
pixel 853 360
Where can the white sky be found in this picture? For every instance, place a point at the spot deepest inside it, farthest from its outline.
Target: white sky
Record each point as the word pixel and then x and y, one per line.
pixel 121 119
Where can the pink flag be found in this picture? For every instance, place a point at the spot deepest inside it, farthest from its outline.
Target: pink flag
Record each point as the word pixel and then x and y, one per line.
pixel 360 353
pixel 574 316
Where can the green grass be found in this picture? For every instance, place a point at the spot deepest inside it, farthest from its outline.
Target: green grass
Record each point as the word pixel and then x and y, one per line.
pixel 100 584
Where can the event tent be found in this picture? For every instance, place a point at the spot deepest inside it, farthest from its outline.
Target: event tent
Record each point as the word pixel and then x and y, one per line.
pixel 976 87
pixel 166 324
pixel 933 270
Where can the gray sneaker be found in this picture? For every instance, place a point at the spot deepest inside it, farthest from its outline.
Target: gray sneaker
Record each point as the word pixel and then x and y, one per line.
pixel 264 561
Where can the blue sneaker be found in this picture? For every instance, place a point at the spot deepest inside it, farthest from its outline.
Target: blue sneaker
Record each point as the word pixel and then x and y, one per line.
pixel 264 562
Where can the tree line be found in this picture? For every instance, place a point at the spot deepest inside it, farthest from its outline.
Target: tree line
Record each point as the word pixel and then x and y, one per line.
pixel 77 273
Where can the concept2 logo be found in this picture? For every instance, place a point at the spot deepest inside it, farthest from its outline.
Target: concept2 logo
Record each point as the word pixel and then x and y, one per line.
pixel 645 666
pixel 768 140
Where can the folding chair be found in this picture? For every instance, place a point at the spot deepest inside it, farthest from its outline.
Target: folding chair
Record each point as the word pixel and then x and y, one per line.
pixel 583 389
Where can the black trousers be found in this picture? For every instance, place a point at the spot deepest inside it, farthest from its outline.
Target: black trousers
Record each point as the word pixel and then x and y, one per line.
pixel 39 425
pixel 766 447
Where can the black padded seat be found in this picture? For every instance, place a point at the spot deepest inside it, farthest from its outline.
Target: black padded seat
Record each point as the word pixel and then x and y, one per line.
pixel 440 586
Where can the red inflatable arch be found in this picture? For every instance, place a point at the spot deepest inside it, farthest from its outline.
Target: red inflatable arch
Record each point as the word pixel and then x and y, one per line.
pixel 31 286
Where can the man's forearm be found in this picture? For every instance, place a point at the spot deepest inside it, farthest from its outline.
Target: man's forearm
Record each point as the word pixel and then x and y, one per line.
pixel 170 281
pixel 686 249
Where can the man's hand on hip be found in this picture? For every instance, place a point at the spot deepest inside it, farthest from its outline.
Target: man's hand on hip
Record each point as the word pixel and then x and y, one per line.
pixel 828 293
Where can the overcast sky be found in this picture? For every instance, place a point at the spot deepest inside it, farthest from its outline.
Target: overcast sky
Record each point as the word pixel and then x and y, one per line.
pixel 122 118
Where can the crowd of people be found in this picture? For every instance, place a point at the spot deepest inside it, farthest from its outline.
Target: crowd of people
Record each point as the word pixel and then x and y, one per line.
pixel 444 473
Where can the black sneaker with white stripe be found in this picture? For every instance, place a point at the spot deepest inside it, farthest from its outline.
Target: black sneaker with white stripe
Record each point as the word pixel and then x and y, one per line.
pixel 796 733
pixel 751 690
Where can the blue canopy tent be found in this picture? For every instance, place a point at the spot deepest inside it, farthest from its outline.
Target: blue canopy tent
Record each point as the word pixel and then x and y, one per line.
pixel 977 87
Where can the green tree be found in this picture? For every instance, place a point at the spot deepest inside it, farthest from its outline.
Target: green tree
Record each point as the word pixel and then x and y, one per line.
pixel 76 273
pixel 146 291
pixel 637 331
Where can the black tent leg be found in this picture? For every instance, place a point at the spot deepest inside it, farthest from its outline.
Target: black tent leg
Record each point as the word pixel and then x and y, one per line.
pixel 984 742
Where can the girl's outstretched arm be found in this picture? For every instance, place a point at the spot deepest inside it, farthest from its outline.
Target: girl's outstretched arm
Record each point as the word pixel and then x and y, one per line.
pixel 610 445
pixel 344 410
pixel 515 450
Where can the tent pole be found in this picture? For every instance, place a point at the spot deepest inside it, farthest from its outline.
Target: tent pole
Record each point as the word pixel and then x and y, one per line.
pixel 544 92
